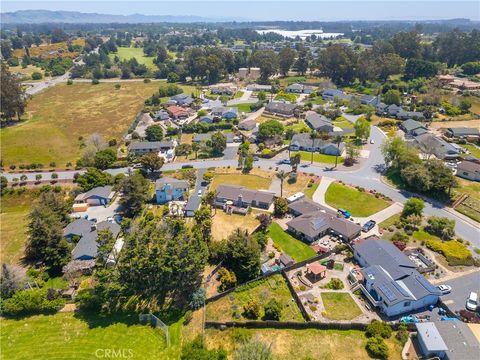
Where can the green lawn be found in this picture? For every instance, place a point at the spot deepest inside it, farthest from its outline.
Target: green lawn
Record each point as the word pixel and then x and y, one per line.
pixel 343 123
pixel 126 53
pixel 340 306
pixel 358 203
pixel 247 180
pixel 319 158
pixel 309 191
pixel 230 307
pixel 238 94
pixel 299 126
pixel 294 248
pixel 13 219
pixel 291 344
pixel 65 336
pixel 474 150
pixel 246 108
pixel 385 224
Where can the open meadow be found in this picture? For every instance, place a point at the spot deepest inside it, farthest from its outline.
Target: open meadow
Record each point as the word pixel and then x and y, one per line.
pixel 58 117
pixel 127 53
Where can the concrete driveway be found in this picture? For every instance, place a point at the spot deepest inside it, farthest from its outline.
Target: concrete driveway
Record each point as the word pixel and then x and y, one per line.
pixel 461 288
pixel 102 213
pixel 230 152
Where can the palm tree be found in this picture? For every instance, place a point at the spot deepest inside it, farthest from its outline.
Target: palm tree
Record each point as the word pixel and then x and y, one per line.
pixel 337 140
pixel 282 175
pixel 313 136
pixel 195 148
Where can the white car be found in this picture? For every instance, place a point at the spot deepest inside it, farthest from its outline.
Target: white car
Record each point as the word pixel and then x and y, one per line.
pixel 372 141
pixel 472 301
pixel 199 192
pixel 445 289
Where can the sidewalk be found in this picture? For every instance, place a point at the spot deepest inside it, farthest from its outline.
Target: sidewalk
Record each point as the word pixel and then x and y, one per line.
pixel 319 194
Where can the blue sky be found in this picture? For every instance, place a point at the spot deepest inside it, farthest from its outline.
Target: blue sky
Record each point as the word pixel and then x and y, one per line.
pixel 269 9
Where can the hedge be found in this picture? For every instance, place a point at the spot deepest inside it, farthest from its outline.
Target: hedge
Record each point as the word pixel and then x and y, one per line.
pixel 454 251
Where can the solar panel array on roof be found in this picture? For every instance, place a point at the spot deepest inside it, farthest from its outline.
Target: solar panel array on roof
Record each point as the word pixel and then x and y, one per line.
pixel 318 223
pixel 388 293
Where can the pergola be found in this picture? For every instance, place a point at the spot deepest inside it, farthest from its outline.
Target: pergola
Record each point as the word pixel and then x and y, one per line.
pixel 316 270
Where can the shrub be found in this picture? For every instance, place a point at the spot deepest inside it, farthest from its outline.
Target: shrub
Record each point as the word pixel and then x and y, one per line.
pixel 34 301
pixel 227 279
pixel 36 75
pixel 69 81
pixel 400 245
pixel 378 329
pixel 273 310
pixel 377 348
pixel 313 308
pixel 402 334
pixel 95 82
pixel 455 252
pixel 398 236
pixel 88 300
pixel 335 284
pixel 441 226
pixel 251 310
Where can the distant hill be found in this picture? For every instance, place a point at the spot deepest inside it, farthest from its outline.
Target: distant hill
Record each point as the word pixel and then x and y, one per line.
pixel 47 16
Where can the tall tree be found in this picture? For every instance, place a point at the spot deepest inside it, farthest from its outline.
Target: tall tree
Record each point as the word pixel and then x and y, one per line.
pixel 302 62
pixel 135 189
pixel 154 133
pixel 362 128
pixel 338 63
pixel 152 162
pixel 267 61
pixel 286 58
pixel 281 175
pixel 13 98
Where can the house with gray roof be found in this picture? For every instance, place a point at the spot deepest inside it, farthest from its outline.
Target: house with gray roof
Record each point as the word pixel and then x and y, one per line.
pixel 370 100
pixel 469 170
pixel 332 94
pixel 413 127
pixel 281 109
pixel 193 204
pixel 225 113
pixel 170 189
pixel 404 115
pixel 448 340
pixel 243 197
pixel 318 122
pixel 182 99
pixel 199 138
pixel 462 133
pixel 87 246
pixel 391 281
pixel 258 87
pixel 299 88
pixel 100 195
pixel 303 142
pixel 437 146
pixel 161 115
pixel 145 147
pixel 206 119
pixel 247 125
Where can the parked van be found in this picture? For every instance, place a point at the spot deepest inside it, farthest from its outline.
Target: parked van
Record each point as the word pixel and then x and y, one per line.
pixel 472 301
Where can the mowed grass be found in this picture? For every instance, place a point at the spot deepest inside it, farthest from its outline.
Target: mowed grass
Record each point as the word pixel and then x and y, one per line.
pixel 290 188
pixel 250 181
pixel 309 191
pixel 127 53
pixel 230 307
pixel 318 158
pixel 13 219
pixel 294 248
pixel 340 306
pixel 64 336
pixel 358 203
pixel 223 224
pixel 58 116
pixel 474 150
pixel 385 224
pixel 290 344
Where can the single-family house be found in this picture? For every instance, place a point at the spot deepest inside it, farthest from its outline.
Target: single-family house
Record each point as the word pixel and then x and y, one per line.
pixel 243 197
pixel 299 89
pixel 281 109
pixel 318 122
pixel 392 110
pixel 258 88
pixel 144 147
pixel 161 115
pixel 314 221
pixel 413 127
pixel 192 205
pixel 218 111
pixel 469 170
pixel 303 142
pixel 170 189
pixel 391 281
pixel 87 246
pixel 370 100
pixel 223 90
pixel 447 340
pixel 247 125
pixel 437 146
pixel 206 119
pixel 177 112
pixel 463 133
pixel 332 94
pixel 182 99
pixel 404 115
pixel 230 113
pixel 100 195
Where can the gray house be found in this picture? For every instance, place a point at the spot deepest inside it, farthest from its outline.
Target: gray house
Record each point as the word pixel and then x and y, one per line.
pixel 243 197
pixel 370 100
pixel 413 127
pixel 170 189
pixel 145 147
pixel 462 133
pixel 447 340
pixel 281 109
pixel 100 195
pixel 299 89
pixel 469 170
pixel 318 122
pixel 182 99
pixel 332 94
pixel 303 142
pixel 193 204
pixel 247 125
pixel 437 146
pixel 391 281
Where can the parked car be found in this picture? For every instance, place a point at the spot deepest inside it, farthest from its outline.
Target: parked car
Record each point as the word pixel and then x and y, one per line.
pixel 372 141
pixel 472 301
pixel 199 192
pixel 368 225
pixel 256 158
pixel 187 166
pixel 284 161
pixel 345 213
pixel 445 289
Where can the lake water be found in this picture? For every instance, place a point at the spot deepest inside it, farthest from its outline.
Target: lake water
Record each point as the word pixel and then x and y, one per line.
pixel 301 33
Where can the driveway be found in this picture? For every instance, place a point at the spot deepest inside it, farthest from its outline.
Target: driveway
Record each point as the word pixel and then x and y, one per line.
pixel 230 152
pixel 461 288
pixel 101 213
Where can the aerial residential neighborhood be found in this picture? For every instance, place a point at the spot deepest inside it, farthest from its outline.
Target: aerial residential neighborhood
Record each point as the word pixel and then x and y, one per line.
pixel 211 180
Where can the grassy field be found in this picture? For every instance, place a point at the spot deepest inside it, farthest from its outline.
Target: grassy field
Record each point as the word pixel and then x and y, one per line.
pixel 230 307
pixel 58 116
pixel 294 248
pixel 248 180
pixel 340 306
pixel 127 53
pixel 246 108
pixel 223 225
pixel 289 344
pixel 342 123
pixel 14 209
pixel 26 72
pixel 358 203
pixel 319 158
pixel 64 336
pixel 290 188
pixel 474 150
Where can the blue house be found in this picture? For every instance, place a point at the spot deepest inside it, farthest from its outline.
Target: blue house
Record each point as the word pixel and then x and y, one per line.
pixel 230 114
pixel 206 119
pixel 170 189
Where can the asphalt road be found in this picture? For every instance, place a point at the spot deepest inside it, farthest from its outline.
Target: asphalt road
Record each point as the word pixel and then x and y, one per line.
pixel 461 288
